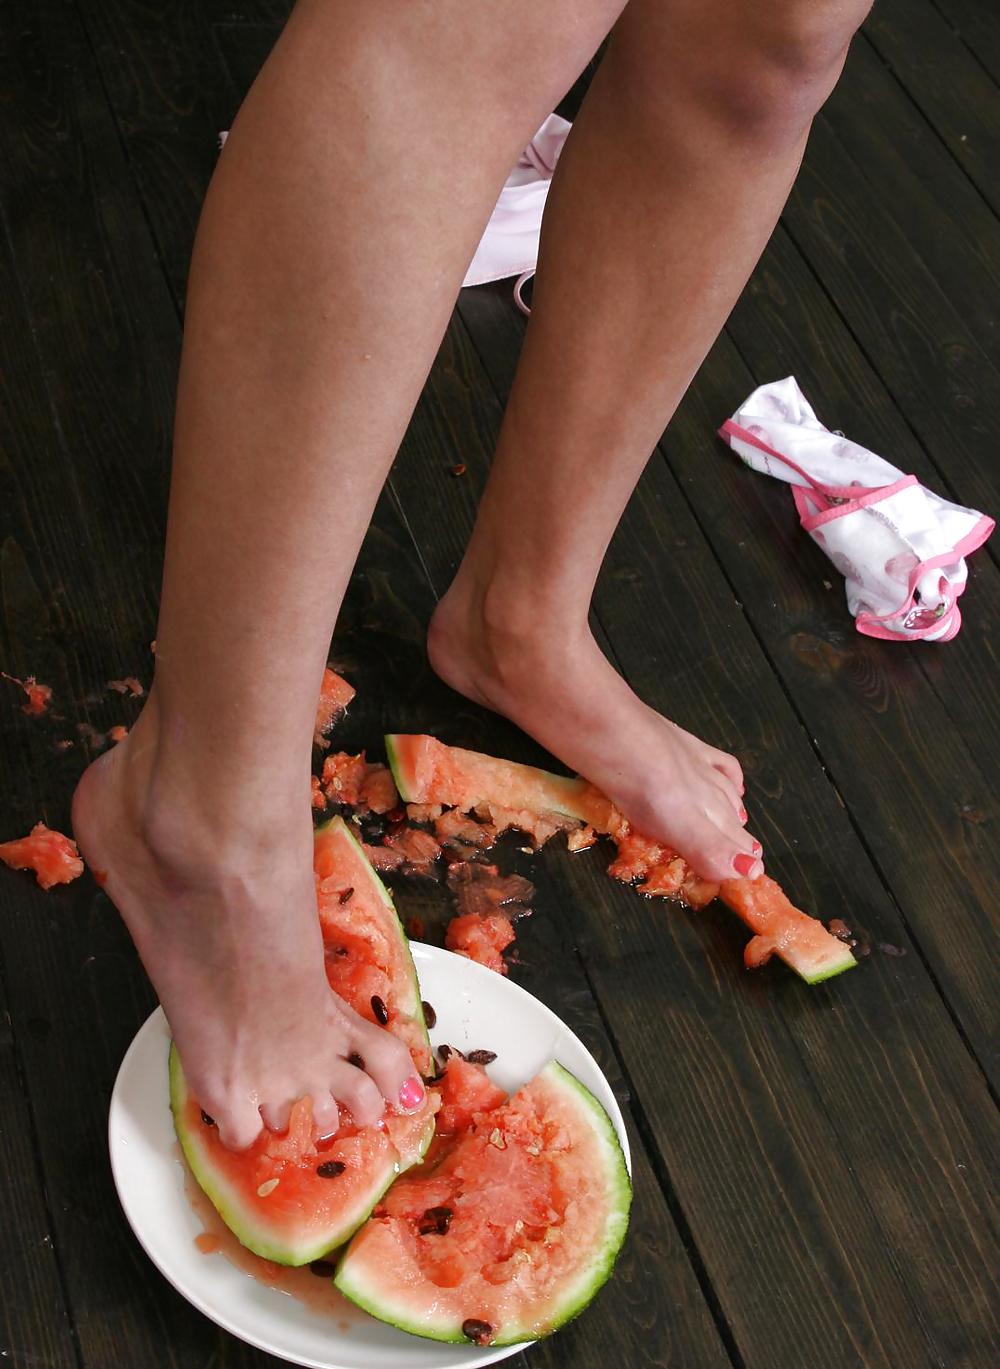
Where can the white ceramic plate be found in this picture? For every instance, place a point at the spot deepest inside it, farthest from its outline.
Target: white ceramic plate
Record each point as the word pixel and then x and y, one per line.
pixel 476 1009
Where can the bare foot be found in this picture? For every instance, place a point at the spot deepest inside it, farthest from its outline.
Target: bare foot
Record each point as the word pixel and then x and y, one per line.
pixel 558 686
pixel 224 918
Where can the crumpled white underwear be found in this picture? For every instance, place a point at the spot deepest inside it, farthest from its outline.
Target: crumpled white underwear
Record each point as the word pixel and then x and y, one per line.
pixel 509 246
pixel 900 547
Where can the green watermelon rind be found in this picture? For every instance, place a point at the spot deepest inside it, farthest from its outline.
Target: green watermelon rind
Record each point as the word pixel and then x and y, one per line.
pixel 590 1279
pixel 568 795
pixel 827 970
pixel 227 1202
pixel 416 1010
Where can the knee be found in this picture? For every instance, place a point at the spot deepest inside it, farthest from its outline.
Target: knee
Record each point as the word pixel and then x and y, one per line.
pixel 760 72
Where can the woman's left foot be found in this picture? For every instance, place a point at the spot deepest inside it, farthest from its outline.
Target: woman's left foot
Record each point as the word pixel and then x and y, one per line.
pixel 557 685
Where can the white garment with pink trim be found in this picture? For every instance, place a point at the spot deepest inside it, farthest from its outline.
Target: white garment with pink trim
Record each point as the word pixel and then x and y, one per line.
pixel 509 246
pixel 899 546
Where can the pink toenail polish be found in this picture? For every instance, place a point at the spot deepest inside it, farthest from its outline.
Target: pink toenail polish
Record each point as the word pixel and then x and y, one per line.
pixel 757 848
pixel 411 1094
pixel 743 864
pixel 743 813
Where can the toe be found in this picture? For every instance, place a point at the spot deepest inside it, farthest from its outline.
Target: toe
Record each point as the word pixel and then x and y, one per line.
pixel 326 1114
pixel 239 1123
pixel 357 1092
pixel 728 766
pixel 390 1065
pixel 275 1115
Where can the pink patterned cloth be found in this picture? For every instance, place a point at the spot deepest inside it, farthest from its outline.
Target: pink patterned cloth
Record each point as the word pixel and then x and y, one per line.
pixel 900 547
pixel 509 246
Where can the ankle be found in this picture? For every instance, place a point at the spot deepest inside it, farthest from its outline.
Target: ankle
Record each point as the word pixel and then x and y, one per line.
pixel 194 819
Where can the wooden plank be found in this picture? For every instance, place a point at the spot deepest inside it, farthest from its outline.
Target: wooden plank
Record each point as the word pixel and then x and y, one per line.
pixel 900 315
pixel 977 24
pixel 955 93
pixel 921 189
pixel 382 633
pixel 833 1071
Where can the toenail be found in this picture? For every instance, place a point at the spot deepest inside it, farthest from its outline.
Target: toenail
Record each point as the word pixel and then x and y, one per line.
pixel 411 1093
pixel 743 864
pixel 757 848
pixel 743 813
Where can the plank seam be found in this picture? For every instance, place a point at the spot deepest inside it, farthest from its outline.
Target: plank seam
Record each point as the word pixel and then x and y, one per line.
pixel 886 62
pixel 960 36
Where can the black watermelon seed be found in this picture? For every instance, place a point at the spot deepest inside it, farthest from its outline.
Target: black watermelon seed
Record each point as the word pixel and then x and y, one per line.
pixel 209 1121
pixel 323 1269
pixel 345 894
pixel 358 1061
pixel 476 1330
pixel 330 1169
pixel 430 1016
pixel 380 1010
pixel 481 1057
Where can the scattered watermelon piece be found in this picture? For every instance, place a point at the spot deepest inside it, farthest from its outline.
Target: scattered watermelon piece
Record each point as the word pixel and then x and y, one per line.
pixel 427 771
pixel 781 929
pixel 39 695
pixel 457 828
pixel 510 1228
pixel 481 937
pixel 53 857
pixel 334 696
pixel 118 733
pixel 420 849
pixel 130 685
pixel 318 797
pixel 378 789
pixel 343 776
pixel 292 1198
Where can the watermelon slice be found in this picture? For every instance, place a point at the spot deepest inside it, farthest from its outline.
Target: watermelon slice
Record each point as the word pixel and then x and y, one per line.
pixel 294 1197
pixel 509 1230
pixel 427 771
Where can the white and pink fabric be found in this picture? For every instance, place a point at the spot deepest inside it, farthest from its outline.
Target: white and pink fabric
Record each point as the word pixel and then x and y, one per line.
pixel 900 547
pixel 509 246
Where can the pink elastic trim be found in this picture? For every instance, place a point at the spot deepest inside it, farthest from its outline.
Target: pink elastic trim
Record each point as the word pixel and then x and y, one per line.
pixel 970 543
pixel 816 520
pixel 837 492
pixel 521 283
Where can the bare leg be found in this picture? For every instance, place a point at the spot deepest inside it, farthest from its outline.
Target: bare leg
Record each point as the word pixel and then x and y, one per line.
pixel 669 187
pixel 346 206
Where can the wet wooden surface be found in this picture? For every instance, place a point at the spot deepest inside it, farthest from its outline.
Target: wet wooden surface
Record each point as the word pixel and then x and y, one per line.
pixel 813 1167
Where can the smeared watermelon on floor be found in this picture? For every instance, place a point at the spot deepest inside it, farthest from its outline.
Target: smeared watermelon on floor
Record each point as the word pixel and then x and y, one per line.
pixel 429 772
pixel 292 1198
pixel 53 857
pixel 511 1226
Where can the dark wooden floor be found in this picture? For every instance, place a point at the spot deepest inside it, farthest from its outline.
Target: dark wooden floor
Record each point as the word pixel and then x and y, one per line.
pixel 813 1166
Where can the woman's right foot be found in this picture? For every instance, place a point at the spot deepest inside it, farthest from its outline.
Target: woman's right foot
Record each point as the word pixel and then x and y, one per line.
pixel 225 922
